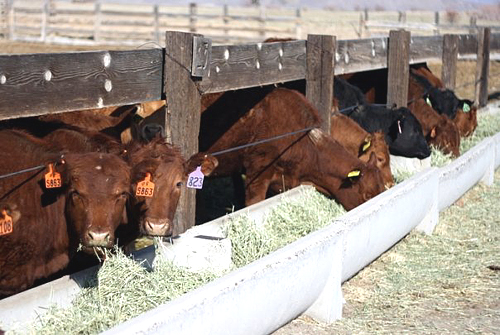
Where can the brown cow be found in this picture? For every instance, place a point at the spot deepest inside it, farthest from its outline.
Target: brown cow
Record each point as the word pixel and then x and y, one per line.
pixel 49 224
pixel 361 144
pixel 438 130
pixel 168 171
pixel 444 101
pixel 310 156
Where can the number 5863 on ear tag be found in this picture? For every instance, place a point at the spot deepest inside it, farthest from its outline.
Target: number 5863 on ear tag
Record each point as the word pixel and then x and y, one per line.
pixel 52 178
pixel 195 179
pixel 146 187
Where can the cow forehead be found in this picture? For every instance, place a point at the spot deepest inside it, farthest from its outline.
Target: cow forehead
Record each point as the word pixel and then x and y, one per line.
pixel 94 169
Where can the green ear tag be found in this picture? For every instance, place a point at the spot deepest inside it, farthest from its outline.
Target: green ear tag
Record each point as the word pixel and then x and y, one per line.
pixel 466 108
pixel 354 173
pixel 428 101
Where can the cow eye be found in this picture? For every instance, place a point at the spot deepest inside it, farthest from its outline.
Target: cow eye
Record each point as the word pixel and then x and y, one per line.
pixel 179 184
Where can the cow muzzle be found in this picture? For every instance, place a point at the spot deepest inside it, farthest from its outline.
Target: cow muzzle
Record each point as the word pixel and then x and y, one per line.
pixel 154 227
pixel 98 239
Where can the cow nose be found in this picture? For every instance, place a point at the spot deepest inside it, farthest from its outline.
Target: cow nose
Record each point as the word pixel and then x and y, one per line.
pixel 158 228
pixel 98 239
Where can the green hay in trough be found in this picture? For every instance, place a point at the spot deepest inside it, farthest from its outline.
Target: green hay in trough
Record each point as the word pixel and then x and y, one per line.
pixel 287 222
pixel 122 290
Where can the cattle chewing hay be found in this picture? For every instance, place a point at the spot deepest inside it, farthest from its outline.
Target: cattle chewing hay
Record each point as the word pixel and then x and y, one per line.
pixel 124 288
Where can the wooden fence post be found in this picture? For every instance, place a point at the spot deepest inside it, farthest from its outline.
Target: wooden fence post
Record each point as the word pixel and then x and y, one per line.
pixel 156 13
pixel 473 25
pixel 192 17
pixel 398 66
pixel 436 23
pixel 98 19
pixel 5 18
pixel 45 16
pixel 225 19
pixel 449 60
pixel 320 58
pixel 482 66
pixel 298 23
pixel 183 114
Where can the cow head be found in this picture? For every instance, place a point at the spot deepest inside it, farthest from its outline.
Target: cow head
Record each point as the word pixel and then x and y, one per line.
pixel 445 136
pixel 97 187
pixel 375 143
pixel 344 176
pixel 405 137
pixel 168 172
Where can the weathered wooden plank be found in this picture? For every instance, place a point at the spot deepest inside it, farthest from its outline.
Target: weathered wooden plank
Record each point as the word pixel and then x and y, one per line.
pixel 467 44
pixel 183 114
pixel 398 68
pixel 482 66
pixel 360 55
pixel 249 65
pixel 36 84
pixel 319 75
pixel 425 48
pixel 449 60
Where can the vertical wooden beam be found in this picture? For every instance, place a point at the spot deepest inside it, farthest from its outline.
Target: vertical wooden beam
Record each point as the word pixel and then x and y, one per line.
pixel 192 17
pixel 449 60
pixel 11 19
pixel 482 66
pixel 320 58
pixel 97 22
pixel 183 114
pixel 298 23
pixel 156 13
pixel 45 15
pixel 436 23
pixel 473 25
pixel 398 66
pixel 262 21
pixel 225 18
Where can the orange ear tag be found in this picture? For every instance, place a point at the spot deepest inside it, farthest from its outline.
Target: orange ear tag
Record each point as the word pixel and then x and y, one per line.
pixel 6 226
pixel 146 187
pixel 52 178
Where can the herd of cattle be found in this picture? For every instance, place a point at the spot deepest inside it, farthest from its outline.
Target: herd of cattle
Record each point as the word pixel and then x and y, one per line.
pixel 80 180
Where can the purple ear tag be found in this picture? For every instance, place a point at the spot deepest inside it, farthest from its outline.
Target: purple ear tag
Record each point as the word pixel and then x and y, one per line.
pixel 195 179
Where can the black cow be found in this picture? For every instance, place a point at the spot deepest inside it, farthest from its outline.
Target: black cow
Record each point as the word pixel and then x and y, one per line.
pixel 403 132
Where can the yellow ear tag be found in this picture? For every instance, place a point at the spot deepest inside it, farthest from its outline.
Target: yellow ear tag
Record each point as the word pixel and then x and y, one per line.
pixel 428 101
pixel 6 226
pixel 466 108
pixel 354 173
pixel 52 178
pixel 367 145
pixel 146 187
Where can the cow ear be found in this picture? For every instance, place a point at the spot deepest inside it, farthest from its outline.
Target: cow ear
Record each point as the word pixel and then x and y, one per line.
pixel 433 132
pixel 207 162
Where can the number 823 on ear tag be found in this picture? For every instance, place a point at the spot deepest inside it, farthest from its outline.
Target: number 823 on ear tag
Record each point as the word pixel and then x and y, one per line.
pixel 146 187
pixel 195 179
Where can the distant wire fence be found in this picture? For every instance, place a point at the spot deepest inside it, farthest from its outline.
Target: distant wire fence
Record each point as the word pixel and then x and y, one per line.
pixel 94 23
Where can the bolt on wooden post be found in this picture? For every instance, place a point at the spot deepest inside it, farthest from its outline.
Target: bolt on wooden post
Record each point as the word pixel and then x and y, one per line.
pixel 482 66
pixel 183 114
pixel 398 68
pixel 320 58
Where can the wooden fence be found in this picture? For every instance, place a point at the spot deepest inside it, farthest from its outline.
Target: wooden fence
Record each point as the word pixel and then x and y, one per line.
pixel 93 22
pixel 189 66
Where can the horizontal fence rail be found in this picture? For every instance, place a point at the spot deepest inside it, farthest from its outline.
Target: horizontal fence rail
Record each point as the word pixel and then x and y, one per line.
pixel 37 84
pixel 93 22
